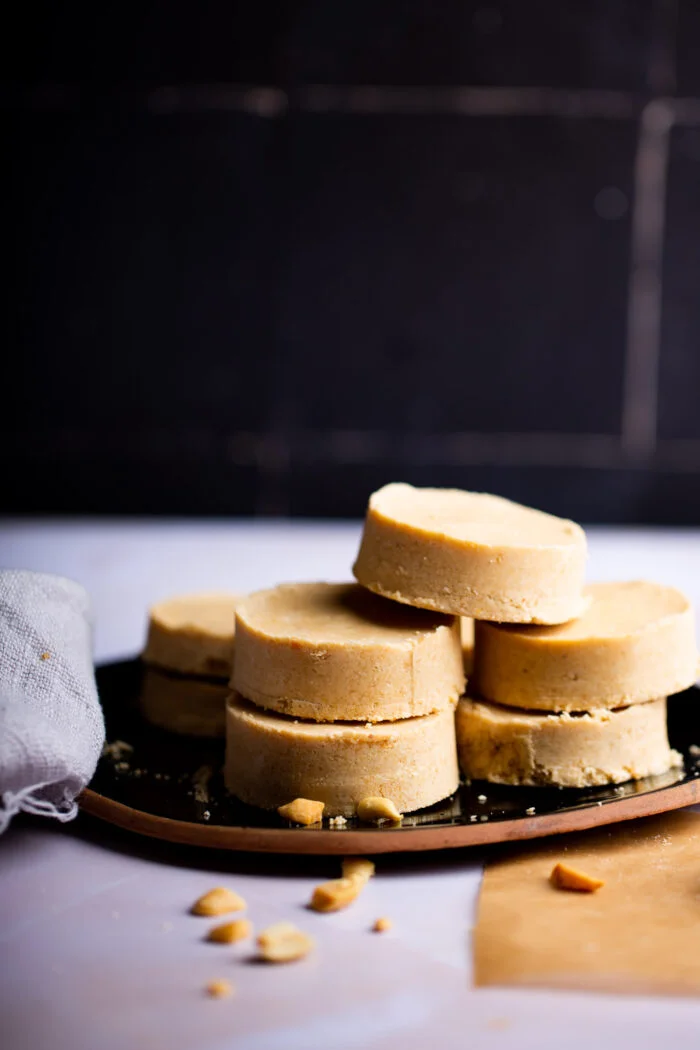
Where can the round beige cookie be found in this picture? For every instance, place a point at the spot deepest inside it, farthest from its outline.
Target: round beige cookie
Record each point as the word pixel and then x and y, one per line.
pixel 191 706
pixel 271 759
pixel 335 652
pixel 600 747
pixel 193 634
pixel 472 554
pixel 635 642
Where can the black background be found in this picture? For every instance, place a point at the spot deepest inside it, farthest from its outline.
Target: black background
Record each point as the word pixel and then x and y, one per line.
pixel 266 257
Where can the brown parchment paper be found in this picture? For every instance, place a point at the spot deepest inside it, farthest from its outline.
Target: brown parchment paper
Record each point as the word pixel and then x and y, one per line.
pixel 640 933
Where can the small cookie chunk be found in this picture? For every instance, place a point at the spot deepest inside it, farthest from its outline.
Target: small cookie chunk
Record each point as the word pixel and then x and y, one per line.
pixel 333 652
pixel 635 642
pixel 472 554
pixel 188 706
pixel 412 761
pixel 377 810
pixel 338 893
pixel 507 746
pixel 302 811
pixel 193 634
pixel 382 924
pixel 567 878
pixel 219 989
pixel 218 901
pixel 283 942
pixel 358 868
pixel 231 932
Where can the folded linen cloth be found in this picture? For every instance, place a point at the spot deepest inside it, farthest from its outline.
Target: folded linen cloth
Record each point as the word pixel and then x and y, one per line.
pixel 51 723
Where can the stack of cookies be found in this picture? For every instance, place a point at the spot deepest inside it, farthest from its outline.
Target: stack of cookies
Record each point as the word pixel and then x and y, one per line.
pixel 347 692
pixel 569 683
pixel 340 696
pixel 582 703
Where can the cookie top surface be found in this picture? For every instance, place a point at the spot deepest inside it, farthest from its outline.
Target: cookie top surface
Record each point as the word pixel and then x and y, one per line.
pixel 335 614
pixel 616 610
pixel 476 518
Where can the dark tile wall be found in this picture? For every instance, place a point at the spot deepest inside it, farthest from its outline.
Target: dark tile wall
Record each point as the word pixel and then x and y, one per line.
pixel 268 256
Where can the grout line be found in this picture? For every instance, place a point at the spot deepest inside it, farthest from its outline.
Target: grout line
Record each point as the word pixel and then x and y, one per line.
pixel 640 398
pixel 269 101
pixel 260 100
pixel 661 74
pixel 467 101
pixel 273 454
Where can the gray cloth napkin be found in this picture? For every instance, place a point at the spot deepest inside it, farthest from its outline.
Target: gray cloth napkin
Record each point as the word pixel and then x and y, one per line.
pixel 51 723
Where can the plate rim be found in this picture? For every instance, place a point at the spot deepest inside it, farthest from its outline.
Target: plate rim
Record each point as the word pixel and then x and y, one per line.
pixel 339 841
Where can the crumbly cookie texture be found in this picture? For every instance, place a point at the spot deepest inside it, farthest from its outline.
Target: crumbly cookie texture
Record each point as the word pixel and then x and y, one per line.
pixel 564 877
pixel 601 747
pixel 302 811
pixel 187 706
pixel 335 652
pixel 193 634
pixel 218 901
pixel 413 762
pixel 471 554
pixel 635 642
pixel 283 942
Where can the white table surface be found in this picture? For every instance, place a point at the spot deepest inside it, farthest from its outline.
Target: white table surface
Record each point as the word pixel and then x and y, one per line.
pixel 97 950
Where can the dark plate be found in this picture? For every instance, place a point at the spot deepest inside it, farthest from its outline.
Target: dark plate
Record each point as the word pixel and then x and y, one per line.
pixel 153 790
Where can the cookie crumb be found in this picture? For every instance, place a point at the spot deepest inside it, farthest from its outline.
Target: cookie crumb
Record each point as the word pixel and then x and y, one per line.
pixel 564 877
pixel 117 749
pixel 382 924
pixel 338 893
pixel 231 932
pixel 200 783
pixel 377 810
pixel 283 942
pixel 219 989
pixel 304 811
pixel 218 901
pixel 45 656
